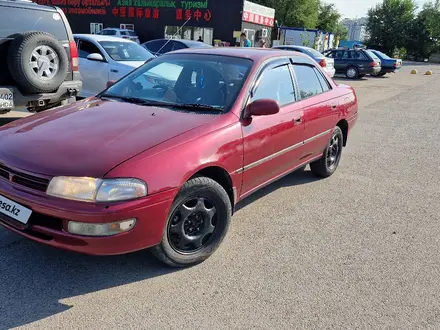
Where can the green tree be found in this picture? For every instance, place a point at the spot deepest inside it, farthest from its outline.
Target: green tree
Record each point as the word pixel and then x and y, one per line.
pixel 328 17
pixel 390 23
pixel 294 13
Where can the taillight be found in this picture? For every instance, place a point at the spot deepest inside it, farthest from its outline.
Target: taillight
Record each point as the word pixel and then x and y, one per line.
pixel 74 56
pixel 373 64
pixel 323 63
pixel 125 37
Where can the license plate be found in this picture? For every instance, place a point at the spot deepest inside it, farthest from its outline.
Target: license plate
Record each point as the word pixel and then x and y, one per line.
pixel 6 100
pixel 14 210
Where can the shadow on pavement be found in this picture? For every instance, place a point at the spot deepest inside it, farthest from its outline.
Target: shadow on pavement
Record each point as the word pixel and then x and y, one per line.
pixel 299 177
pixel 34 279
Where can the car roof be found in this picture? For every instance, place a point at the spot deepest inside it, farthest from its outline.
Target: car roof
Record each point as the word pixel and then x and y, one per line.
pixel 98 38
pixel 26 4
pixel 186 42
pixel 117 29
pixel 255 54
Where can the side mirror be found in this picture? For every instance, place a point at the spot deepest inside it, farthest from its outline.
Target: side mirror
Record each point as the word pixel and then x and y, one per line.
pixel 263 107
pixel 95 57
pixel 110 83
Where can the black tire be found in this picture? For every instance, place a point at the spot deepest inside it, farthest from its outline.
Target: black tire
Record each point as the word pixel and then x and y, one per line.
pixel 349 74
pixel 20 58
pixel 5 75
pixel 196 189
pixel 382 74
pixel 322 168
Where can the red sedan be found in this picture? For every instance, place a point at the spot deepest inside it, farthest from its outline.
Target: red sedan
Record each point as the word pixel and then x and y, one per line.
pixel 162 156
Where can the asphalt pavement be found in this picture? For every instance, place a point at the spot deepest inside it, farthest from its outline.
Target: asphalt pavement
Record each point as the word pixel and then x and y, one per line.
pixel 359 250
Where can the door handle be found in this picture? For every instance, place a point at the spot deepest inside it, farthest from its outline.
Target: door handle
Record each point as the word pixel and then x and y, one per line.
pixel 114 70
pixel 333 106
pixel 297 120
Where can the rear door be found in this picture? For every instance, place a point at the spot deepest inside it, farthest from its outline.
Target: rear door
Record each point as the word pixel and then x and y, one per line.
pixel 272 144
pixel 320 105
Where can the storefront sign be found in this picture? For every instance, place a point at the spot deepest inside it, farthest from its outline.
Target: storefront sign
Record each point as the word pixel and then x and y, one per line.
pixel 140 9
pixel 257 14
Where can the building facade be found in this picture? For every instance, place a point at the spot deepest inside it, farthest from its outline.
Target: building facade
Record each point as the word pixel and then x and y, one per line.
pixel 357 28
pixel 154 19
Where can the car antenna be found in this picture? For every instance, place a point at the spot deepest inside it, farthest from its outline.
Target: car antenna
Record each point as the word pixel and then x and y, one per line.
pixel 178 30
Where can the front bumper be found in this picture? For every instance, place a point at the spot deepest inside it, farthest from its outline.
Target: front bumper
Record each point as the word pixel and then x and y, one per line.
pixel 48 222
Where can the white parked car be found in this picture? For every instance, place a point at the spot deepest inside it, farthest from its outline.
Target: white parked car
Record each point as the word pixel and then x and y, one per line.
pixel 327 64
pixel 120 33
pixel 103 59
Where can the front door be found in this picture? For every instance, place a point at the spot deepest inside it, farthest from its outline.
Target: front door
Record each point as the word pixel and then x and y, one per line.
pixel 94 74
pixel 272 144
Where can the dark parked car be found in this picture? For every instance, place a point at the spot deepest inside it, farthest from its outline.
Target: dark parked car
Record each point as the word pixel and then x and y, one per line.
pixel 354 63
pixel 38 57
pixel 162 46
pixel 388 64
pixel 168 168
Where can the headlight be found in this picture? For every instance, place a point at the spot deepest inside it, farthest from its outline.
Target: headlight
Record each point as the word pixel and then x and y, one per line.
pixel 96 190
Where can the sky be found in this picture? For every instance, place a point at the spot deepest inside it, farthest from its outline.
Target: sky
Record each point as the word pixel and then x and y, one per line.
pixel 358 8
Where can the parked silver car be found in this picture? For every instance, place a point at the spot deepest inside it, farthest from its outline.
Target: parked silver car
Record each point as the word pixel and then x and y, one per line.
pixel 327 64
pixel 120 33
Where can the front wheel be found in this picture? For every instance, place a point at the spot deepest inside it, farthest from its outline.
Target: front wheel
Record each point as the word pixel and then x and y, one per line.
pixel 328 163
pixel 197 223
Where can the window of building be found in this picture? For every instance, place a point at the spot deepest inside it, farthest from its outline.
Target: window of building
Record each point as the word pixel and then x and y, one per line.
pixel 189 33
pixel 95 28
pixel 308 82
pixel 127 26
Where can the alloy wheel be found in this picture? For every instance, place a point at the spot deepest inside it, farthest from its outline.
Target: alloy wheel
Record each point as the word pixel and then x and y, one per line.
pixel 333 152
pixel 44 62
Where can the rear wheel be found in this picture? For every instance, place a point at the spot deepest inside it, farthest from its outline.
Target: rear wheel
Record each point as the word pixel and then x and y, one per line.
pixel 352 72
pixel 328 163
pixel 197 223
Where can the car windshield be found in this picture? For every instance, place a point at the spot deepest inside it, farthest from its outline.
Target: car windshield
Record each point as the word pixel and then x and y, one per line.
pixel 195 81
pixel 131 33
pixel 385 56
pixel 126 51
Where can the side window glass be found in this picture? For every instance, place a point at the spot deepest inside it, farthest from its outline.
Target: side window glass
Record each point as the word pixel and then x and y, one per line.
pixel 308 82
pixel 153 46
pixel 178 45
pixel 362 56
pixel 168 47
pixel 330 55
pixel 323 81
pixel 86 48
pixel 276 84
pixel 339 55
pixel 347 55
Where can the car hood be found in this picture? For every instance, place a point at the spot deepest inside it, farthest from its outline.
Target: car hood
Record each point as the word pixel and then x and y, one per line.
pixel 91 137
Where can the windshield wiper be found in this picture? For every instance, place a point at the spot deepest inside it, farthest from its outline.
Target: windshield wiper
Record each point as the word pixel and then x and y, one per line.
pixel 198 106
pixel 140 101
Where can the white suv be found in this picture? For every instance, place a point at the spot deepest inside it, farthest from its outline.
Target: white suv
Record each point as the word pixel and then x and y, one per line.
pixel 121 33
